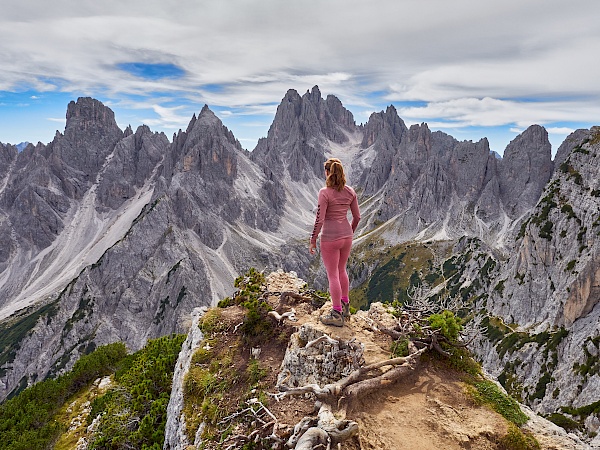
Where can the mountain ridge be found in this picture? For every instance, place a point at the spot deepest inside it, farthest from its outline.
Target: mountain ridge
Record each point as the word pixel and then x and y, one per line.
pixel 168 226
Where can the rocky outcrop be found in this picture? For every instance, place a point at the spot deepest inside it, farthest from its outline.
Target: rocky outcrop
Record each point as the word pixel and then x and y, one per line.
pixel 175 428
pixel 548 292
pixel 130 166
pixel 557 253
pixel 8 154
pixel 381 135
pixel 572 140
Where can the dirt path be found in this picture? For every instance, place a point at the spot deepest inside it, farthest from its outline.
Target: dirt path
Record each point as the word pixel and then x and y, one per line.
pixel 428 411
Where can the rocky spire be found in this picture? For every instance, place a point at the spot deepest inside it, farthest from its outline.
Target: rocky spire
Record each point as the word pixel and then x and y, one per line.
pixel 387 122
pixel 207 147
pixel 383 131
pixel 88 114
pixel 525 170
pixel 299 134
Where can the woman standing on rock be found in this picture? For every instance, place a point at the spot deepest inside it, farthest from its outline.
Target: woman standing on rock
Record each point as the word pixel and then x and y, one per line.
pixel 334 202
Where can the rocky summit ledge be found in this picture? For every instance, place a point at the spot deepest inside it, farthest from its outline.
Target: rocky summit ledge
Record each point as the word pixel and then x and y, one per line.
pixel 311 384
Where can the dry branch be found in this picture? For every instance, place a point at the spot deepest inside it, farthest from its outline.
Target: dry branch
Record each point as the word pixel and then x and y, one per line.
pixel 321 339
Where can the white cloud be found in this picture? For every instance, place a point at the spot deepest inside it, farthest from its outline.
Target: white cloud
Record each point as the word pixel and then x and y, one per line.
pixel 472 63
pixel 167 117
pixel 464 112
pixel 559 130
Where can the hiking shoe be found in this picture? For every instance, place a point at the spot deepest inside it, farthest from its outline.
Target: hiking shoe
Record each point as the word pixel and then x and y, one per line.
pixel 346 310
pixel 334 318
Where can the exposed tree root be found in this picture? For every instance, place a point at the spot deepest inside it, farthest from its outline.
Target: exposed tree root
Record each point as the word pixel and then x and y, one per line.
pixel 327 429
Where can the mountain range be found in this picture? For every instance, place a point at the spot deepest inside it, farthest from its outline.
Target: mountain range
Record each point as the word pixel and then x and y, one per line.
pixel 110 235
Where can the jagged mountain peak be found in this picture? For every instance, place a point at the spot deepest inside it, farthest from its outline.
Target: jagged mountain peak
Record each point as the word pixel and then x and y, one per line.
pixel 88 112
pixel 314 95
pixel 301 132
pixel 534 140
pixel 207 148
pixel 206 111
pixel 341 115
pixel 387 120
pixel 291 95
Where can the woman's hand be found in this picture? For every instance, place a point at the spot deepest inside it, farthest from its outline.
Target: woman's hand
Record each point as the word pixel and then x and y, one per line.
pixel 312 248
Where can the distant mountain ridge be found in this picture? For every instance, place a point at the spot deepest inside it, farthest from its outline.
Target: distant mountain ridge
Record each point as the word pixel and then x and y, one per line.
pixel 121 233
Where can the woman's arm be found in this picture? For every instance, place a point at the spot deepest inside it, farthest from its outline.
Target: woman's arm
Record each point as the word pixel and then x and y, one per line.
pixel 355 213
pixel 319 219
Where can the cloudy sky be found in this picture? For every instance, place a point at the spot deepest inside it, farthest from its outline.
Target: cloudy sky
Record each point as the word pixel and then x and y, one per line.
pixel 471 68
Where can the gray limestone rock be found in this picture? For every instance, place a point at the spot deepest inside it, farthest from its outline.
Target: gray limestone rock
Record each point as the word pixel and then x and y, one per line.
pixel 8 155
pixel 525 170
pixel 182 250
pixel 130 166
pixel 383 132
pixel 574 139
pixel 296 140
pixel 549 284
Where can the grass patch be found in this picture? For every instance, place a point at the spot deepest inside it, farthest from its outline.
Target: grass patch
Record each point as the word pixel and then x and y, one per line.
pixel 488 393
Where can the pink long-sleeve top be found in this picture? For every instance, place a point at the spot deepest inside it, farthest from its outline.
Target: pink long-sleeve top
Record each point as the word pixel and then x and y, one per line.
pixel 332 214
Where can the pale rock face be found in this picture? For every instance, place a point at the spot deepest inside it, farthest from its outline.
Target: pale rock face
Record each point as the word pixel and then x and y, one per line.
pixel 132 163
pixel 296 141
pixel 572 140
pixel 175 428
pixel 550 284
pixel 8 155
pixel 317 364
pixel 383 132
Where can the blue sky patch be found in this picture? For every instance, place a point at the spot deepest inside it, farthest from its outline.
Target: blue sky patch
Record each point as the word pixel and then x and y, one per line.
pixel 152 71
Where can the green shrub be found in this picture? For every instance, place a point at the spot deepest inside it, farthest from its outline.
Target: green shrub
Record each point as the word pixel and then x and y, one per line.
pixel 515 439
pixel 134 411
pixel 448 324
pixel 255 372
pixel 27 420
pixel 460 359
pixel 400 347
pixel 257 326
pixel 500 287
pixel 570 265
pixel 564 422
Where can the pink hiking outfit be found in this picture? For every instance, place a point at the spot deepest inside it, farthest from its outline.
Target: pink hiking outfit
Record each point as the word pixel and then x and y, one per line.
pixel 336 237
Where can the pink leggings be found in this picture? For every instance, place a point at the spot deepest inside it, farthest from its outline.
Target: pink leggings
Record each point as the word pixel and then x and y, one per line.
pixel 335 256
